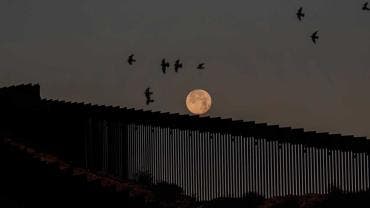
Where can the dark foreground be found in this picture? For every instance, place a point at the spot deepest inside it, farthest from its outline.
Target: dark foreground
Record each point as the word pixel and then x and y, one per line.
pixel 29 178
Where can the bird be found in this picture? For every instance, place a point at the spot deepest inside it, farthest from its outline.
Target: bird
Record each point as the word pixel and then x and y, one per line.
pixel 300 14
pixel 148 101
pixel 364 7
pixel 178 65
pixel 148 96
pixel 164 65
pixel 131 59
pixel 200 66
pixel 314 36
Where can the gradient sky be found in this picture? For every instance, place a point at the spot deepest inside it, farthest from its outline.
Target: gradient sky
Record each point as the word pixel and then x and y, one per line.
pixel 261 64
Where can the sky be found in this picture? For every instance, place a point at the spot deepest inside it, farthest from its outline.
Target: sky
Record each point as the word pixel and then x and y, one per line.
pixel 260 62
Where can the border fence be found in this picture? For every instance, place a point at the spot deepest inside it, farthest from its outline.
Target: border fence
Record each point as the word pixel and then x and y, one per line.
pixel 207 157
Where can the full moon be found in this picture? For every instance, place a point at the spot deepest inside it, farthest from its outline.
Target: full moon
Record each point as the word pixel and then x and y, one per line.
pixel 198 101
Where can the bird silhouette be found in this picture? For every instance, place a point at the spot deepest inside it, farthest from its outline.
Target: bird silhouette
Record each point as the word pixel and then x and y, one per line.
pixel 300 14
pixel 164 65
pixel 364 7
pixel 314 36
pixel 148 96
pixel 178 65
pixel 200 66
pixel 131 59
pixel 148 101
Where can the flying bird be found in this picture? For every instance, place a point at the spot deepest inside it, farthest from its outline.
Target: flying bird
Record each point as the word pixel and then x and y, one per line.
pixel 148 96
pixel 131 59
pixel 148 101
pixel 300 14
pixel 164 65
pixel 314 37
pixel 200 66
pixel 364 7
pixel 178 65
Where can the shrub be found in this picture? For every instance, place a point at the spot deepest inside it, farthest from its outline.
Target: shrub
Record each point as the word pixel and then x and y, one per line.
pixel 144 178
pixel 167 192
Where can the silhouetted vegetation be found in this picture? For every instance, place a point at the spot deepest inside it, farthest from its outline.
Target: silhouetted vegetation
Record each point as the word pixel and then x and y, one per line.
pixel 335 198
pixel 165 195
pixel 143 178
pixel 248 200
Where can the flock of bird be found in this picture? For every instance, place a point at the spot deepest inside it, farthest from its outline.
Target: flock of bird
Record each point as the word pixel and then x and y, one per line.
pixel 164 65
pixel 314 36
pixel 300 16
pixel 178 65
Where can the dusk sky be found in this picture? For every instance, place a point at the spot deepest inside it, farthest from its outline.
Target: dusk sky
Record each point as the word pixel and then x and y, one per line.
pixel 260 62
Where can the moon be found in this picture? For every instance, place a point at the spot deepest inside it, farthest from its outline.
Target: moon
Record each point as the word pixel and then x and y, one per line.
pixel 198 101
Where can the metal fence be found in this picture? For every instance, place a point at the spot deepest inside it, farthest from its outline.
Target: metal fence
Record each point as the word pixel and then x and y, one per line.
pixel 207 157
pixel 215 164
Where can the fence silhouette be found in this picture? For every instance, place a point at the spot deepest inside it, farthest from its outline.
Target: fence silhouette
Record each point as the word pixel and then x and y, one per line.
pixel 207 157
